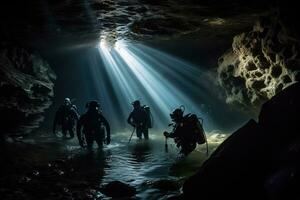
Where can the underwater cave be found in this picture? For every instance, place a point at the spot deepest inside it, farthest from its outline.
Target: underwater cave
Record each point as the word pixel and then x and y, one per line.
pixel 148 99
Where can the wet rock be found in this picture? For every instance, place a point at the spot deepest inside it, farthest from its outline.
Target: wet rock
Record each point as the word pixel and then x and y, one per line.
pixel 284 179
pixel 259 160
pixel 168 185
pixel 280 115
pixel 118 189
pixel 233 162
pixel 26 88
pixel 175 197
pixel 79 184
pixel 25 175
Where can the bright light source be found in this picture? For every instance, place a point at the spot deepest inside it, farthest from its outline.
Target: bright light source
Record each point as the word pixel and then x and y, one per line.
pixel 120 44
pixel 102 44
pixel 107 43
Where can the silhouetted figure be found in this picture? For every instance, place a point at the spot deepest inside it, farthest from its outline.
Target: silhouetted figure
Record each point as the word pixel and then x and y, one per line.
pixel 187 131
pixel 94 125
pixel 66 116
pixel 140 119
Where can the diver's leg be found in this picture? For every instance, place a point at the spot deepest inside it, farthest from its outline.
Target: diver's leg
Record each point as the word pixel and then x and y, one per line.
pixel 64 131
pixel 187 148
pixel 139 132
pixel 71 129
pixel 71 132
pixel 89 141
pixel 146 133
pixel 99 140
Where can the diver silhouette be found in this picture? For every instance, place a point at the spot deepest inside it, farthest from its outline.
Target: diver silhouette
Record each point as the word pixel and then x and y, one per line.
pixel 93 123
pixel 140 119
pixel 66 116
pixel 187 131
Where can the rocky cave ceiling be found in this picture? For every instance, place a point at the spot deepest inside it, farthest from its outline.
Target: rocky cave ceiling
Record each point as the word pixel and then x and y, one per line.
pixel 84 22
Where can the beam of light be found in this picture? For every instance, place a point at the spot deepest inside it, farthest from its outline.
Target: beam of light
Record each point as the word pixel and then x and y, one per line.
pixel 117 80
pixel 99 79
pixel 162 91
pixel 137 91
pixel 138 72
pixel 124 83
pixel 150 80
pixel 177 68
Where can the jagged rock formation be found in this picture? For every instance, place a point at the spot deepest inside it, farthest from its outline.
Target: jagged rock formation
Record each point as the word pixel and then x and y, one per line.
pixel 258 161
pixel 26 88
pixel 261 62
pixel 84 22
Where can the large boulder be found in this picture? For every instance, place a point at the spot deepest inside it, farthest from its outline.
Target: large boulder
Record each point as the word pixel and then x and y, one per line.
pixel 280 115
pixel 26 88
pixel 260 160
pixel 118 189
pixel 261 62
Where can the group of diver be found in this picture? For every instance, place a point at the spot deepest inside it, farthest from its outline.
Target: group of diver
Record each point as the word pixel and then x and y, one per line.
pixel 92 126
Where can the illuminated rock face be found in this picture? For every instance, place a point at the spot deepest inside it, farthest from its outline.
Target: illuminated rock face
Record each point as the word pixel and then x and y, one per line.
pixel 260 64
pixel 82 22
pixel 26 86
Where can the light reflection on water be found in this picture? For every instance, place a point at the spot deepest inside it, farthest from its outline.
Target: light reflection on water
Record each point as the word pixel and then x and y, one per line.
pixel 135 163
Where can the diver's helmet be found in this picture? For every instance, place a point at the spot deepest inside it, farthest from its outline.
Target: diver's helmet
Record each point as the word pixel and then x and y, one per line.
pixel 177 114
pixel 93 105
pixel 136 104
pixel 67 102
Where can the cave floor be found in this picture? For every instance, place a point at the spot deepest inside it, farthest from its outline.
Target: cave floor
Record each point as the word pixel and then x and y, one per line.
pixel 48 167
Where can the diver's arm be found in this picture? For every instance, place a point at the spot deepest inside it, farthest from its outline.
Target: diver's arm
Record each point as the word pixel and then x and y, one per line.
pixel 129 120
pixel 78 131
pixel 75 113
pixel 172 133
pixel 107 127
pixel 169 135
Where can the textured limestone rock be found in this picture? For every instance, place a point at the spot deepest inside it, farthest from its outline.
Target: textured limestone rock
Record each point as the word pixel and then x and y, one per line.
pixel 26 88
pixel 261 62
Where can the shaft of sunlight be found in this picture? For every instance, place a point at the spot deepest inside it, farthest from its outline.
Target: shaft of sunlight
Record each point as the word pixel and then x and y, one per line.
pixel 157 79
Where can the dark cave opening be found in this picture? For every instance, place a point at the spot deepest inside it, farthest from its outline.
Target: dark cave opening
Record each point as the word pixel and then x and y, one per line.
pixel 234 65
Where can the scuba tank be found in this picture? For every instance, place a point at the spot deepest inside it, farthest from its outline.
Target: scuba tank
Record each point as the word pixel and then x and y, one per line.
pixel 149 116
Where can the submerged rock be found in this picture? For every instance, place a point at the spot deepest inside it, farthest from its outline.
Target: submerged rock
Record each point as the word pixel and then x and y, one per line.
pixel 165 184
pixel 260 160
pixel 117 189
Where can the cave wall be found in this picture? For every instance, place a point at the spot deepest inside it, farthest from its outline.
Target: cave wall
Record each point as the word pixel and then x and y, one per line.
pixel 26 88
pixel 261 62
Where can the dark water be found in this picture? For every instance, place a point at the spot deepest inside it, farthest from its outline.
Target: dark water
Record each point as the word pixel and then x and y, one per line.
pixel 139 163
